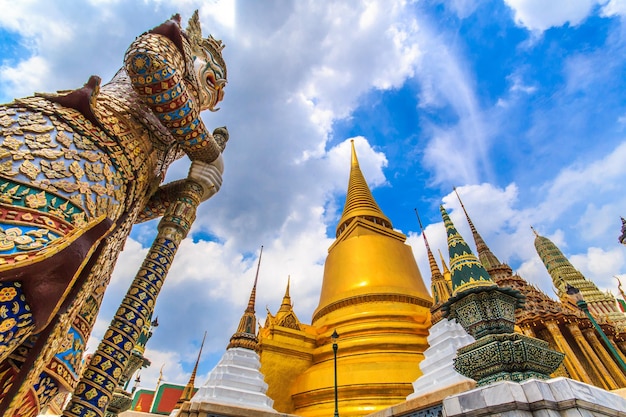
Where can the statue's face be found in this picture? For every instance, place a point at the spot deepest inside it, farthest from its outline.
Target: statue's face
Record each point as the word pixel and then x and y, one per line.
pixel 212 81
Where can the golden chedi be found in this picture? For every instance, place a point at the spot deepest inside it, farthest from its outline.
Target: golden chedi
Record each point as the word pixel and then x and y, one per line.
pixel 373 295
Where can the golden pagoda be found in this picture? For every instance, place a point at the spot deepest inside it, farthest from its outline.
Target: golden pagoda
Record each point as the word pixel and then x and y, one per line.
pixel 373 295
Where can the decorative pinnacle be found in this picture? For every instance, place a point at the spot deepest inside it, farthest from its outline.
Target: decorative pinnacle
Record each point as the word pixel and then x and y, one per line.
pixel 434 268
pixel 487 258
pixel 252 300
pixel 443 262
pixel 189 388
pixel 245 336
pixel 619 287
pixel 195 367
pixel 467 272
pixel 359 199
pixel 286 304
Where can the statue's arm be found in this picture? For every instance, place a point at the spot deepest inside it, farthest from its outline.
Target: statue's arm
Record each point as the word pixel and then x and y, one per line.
pixel 207 174
pixel 162 77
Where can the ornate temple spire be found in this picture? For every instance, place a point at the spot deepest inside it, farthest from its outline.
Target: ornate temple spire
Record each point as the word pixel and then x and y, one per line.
pixel 563 274
pixel 245 336
pixel 467 272
pixel 562 271
pixel 439 286
pixel 622 238
pixel 286 304
pixel 434 268
pixel 487 258
pixel 487 312
pixel 190 387
pixel 359 199
pixel 446 272
pixel 443 262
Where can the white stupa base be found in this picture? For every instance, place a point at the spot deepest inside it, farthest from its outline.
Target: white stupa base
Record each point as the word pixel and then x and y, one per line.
pixel 236 380
pixel 444 339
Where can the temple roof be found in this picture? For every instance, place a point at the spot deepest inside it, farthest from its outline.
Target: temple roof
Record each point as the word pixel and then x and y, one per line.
pixel 359 199
pixel 285 316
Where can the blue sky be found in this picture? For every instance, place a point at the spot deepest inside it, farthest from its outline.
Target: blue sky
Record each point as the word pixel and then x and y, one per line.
pixel 519 104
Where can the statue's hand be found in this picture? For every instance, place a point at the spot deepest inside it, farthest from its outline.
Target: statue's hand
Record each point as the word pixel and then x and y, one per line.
pixel 209 176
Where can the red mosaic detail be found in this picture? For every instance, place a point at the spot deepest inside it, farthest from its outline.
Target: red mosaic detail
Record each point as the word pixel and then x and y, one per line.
pixel 25 216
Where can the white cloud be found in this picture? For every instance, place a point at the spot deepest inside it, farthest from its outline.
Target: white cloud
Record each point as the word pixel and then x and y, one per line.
pixel 518 85
pixel 25 78
pixel 577 184
pixel 599 265
pixel 614 8
pixel 540 15
pixel 448 87
pixel 463 8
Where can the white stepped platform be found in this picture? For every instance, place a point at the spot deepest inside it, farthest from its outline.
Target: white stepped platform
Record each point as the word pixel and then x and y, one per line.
pixel 236 380
pixel 444 339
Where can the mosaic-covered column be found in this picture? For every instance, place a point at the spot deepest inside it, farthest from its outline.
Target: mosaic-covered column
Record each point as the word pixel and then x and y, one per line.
pixel 576 370
pixel 95 389
pixel 607 359
pixel 592 358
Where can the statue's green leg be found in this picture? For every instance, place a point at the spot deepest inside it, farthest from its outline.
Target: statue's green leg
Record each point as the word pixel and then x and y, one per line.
pixel 16 319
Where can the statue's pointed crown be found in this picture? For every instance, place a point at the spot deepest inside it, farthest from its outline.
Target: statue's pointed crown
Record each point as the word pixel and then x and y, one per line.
pixel 202 45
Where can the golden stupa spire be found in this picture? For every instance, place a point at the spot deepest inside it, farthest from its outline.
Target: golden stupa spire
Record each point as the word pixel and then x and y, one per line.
pixel 359 199
pixel 190 387
pixel 245 336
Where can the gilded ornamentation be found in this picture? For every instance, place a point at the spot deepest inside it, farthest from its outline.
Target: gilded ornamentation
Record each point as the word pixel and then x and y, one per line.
pixel 77 171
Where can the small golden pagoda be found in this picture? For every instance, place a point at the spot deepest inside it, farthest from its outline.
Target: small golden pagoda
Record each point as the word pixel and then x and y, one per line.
pixel 373 295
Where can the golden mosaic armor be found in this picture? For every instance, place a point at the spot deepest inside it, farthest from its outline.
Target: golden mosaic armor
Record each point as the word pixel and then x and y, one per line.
pixel 77 170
